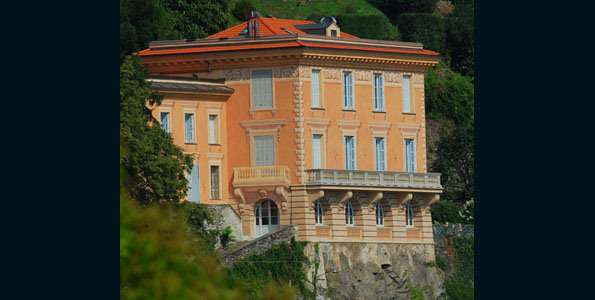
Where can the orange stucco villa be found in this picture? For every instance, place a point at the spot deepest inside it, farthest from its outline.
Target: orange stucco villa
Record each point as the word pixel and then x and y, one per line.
pixel 295 122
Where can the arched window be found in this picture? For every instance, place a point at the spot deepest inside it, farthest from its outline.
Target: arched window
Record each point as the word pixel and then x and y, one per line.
pixel 379 214
pixel 319 213
pixel 409 212
pixel 348 214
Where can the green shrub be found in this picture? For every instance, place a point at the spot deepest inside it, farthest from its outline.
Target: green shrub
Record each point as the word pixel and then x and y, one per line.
pixel 242 9
pixel 226 237
pixel 458 288
pixel 417 294
pixel 460 285
pixel 446 212
pixel 394 8
pixel 449 95
pixel 278 267
pixel 423 28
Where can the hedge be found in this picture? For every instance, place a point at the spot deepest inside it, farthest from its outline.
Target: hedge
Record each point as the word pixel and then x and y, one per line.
pixel 423 28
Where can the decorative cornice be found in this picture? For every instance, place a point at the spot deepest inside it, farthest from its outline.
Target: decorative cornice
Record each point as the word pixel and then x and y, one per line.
pixel 272 124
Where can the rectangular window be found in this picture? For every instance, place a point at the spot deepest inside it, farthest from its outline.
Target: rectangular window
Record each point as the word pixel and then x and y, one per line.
pixel 380 154
pixel 262 89
pixel 350 154
pixel 348 102
pixel 165 121
pixel 213 129
pixel 409 220
pixel 189 122
pixel 215 182
pixel 378 92
pixel 410 155
pixel 406 94
pixel 316 88
pixel 317 150
pixel 194 184
pixel 264 150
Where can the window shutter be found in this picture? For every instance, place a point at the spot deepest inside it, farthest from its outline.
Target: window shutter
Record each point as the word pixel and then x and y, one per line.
pixel 377 153
pixel 345 92
pixel 315 89
pixel 195 184
pixel 262 89
pixel 264 150
pixel 189 127
pixel 413 164
pixel 211 129
pixel 381 91
pixel 316 146
pixel 406 104
pixel 351 103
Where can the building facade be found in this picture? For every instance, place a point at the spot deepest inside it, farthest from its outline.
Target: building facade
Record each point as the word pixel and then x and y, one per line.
pixel 293 122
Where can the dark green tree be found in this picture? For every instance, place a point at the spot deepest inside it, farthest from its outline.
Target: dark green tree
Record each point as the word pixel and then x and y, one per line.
pixel 424 28
pixel 449 95
pixel 394 8
pixel 143 21
pixel 156 166
pixel 241 9
pixel 455 160
pixel 194 19
pixel 460 37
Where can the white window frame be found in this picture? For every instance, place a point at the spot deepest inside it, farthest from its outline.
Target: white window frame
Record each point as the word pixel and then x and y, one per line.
pixel 413 155
pixel 376 156
pixel 319 213
pixel 214 130
pixel 379 93
pixel 409 215
pixel 320 146
pixel 407 108
pixel 348 103
pixel 218 179
pixel 253 99
pixel 353 138
pixel 193 122
pixel 349 214
pixel 168 125
pixel 274 151
pixel 318 89
pixel 379 215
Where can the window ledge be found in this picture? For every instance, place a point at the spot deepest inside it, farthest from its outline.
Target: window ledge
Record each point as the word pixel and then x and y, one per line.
pixel 349 109
pixel 379 111
pixel 322 226
pixel 318 108
pixel 408 113
pixel 273 110
pixel 191 143
pixel 214 144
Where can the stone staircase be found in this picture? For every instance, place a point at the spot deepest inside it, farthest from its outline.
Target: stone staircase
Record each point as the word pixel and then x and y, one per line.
pixel 258 245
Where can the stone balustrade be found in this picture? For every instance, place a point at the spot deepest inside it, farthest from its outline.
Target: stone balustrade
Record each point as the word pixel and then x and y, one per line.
pixel 335 177
pixel 261 175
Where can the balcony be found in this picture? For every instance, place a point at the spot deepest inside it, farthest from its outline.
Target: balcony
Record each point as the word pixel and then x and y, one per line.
pixel 331 177
pixel 259 176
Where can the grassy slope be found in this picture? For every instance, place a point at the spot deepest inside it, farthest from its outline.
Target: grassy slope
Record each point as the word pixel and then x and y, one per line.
pixel 292 9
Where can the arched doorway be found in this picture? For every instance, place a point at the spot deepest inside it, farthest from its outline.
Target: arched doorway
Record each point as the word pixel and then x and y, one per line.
pixel 266 215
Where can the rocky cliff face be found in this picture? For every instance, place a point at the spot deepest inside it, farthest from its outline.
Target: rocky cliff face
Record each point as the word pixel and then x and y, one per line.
pixel 374 271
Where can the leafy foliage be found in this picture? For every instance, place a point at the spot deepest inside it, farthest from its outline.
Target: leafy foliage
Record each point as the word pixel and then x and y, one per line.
pixel 143 21
pixel 449 95
pixel 159 257
pixel 272 271
pixel 423 28
pixel 446 212
pixel 197 18
pixel 156 166
pixel 226 237
pixel 373 26
pixel 460 37
pixel 417 294
pixel 394 8
pixel 455 160
pixel 242 9
pixel 460 284
pixel 468 211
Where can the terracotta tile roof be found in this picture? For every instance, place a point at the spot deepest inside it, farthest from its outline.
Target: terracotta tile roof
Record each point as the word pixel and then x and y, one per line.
pixel 368 48
pixel 269 26
pixel 148 52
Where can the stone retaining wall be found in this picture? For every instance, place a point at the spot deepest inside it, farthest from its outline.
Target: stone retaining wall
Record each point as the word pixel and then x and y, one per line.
pixel 259 245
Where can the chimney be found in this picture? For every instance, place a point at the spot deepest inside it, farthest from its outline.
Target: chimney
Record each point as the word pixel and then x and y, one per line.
pixel 249 28
pixel 256 28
